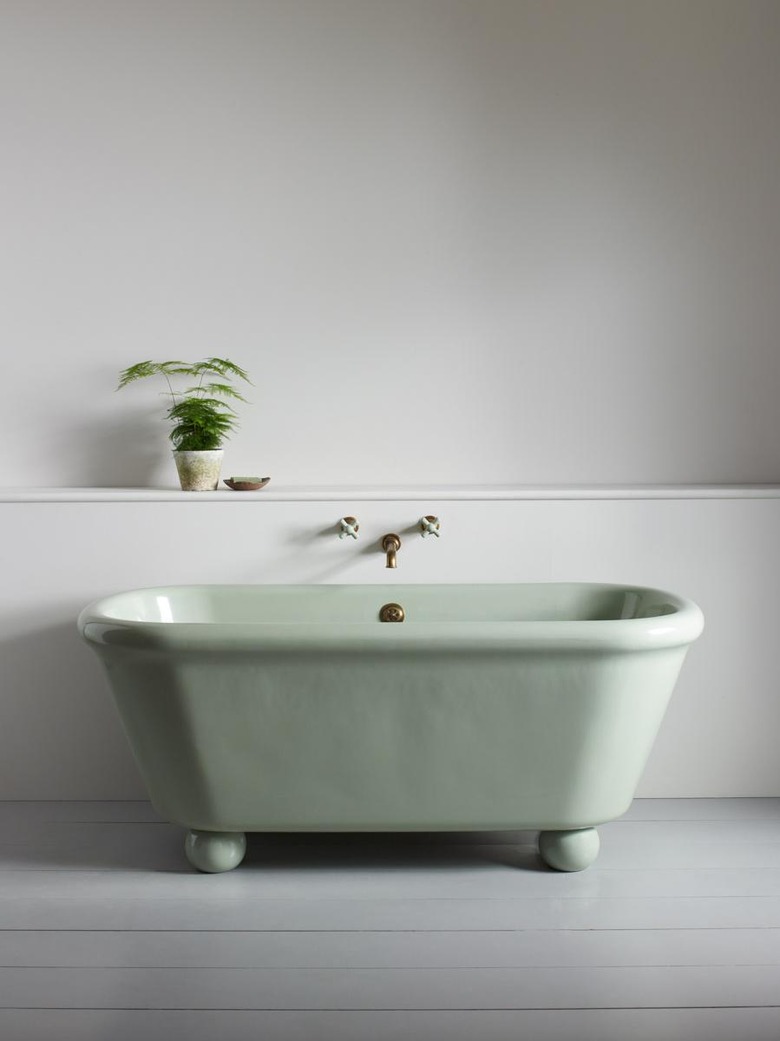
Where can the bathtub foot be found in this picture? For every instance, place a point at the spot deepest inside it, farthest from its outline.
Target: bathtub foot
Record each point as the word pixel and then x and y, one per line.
pixel 215 850
pixel 569 850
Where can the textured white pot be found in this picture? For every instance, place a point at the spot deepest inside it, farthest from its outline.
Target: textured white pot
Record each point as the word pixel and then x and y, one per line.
pixel 199 471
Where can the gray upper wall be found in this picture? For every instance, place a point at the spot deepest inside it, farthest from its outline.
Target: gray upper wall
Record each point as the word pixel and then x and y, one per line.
pixel 475 241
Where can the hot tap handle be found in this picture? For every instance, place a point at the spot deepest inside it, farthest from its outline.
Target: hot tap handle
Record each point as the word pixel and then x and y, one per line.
pixel 349 528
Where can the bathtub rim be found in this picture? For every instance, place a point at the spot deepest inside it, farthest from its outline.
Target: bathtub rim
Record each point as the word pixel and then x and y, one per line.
pixel 678 628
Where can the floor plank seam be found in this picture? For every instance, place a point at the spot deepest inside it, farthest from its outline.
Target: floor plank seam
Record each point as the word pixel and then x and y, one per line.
pixel 630 966
pixel 383 1009
pixel 485 933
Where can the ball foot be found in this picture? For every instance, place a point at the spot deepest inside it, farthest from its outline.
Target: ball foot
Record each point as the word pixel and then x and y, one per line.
pixel 215 851
pixel 569 850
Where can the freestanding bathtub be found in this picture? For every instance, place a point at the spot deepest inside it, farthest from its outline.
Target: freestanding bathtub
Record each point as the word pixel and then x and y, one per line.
pixel 296 708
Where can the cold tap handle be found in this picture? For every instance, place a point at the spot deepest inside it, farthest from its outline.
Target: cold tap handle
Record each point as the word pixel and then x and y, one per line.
pixel 430 526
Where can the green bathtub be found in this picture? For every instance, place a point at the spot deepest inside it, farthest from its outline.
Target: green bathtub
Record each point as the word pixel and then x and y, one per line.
pixel 297 708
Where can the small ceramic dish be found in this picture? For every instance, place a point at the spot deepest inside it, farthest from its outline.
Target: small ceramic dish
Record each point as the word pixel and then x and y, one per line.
pixel 246 484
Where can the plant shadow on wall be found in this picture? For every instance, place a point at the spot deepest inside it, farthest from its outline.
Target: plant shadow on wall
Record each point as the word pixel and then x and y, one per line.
pixel 114 450
pixel 201 417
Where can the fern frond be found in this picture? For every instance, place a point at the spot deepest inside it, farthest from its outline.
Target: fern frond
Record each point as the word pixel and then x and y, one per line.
pixel 220 367
pixel 224 389
pixel 175 368
pixel 200 406
pixel 138 371
pixel 143 369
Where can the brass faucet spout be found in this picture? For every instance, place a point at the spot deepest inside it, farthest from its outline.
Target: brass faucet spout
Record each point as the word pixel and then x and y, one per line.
pixel 391 544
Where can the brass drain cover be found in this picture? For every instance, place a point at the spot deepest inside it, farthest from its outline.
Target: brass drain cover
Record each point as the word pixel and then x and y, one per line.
pixel 392 613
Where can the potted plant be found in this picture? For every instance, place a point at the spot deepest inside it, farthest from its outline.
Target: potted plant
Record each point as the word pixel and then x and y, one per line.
pixel 202 418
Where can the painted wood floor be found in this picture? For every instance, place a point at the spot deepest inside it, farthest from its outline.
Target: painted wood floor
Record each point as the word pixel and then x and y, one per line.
pixel 674 933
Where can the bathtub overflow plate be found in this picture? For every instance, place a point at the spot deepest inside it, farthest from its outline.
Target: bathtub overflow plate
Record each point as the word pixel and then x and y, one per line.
pixel 392 613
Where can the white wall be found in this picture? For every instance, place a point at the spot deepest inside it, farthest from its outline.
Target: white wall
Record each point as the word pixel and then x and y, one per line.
pixel 483 240
pixel 59 734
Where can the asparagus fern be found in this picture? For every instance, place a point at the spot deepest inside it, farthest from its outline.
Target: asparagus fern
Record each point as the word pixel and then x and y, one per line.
pixel 201 420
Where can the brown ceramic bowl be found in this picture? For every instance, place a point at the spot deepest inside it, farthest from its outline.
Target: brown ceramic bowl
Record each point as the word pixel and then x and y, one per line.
pixel 246 484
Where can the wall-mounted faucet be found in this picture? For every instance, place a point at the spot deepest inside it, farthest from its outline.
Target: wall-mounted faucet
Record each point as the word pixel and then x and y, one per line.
pixel 391 544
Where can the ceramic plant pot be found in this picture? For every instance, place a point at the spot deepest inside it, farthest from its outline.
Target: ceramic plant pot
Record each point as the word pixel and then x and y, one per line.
pixel 199 471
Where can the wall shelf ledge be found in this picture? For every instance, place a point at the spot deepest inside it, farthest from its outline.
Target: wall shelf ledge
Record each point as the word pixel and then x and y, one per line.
pixel 390 493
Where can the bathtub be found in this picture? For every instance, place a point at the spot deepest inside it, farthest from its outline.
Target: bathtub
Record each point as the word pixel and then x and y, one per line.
pixel 295 708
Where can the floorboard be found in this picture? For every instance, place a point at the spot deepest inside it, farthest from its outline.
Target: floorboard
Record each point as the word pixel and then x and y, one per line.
pixel 437 1025
pixel 390 949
